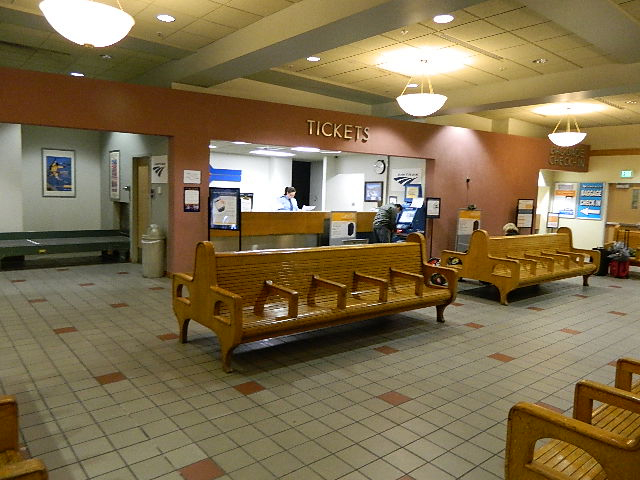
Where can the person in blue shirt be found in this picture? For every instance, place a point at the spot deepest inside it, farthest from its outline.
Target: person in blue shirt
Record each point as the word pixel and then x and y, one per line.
pixel 287 202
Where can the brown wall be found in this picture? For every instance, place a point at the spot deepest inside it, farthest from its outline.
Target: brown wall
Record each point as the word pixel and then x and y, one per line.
pixel 501 168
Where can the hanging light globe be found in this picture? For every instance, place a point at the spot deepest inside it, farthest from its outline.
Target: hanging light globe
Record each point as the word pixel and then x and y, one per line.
pixel 421 104
pixel 88 23
pixel 567 139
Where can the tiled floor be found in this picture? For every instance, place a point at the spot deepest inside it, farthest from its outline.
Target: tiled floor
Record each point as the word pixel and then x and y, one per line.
pixel 106 391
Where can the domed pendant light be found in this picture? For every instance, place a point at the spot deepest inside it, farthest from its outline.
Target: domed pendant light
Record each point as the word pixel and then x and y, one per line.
pixel 420 104
pixel 88 23
pixel 567 138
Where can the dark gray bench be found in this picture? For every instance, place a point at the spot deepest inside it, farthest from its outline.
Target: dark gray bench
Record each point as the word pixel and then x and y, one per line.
pixel 19 244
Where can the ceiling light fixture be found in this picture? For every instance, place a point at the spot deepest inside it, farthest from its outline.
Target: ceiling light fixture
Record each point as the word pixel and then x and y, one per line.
pixel 421 104
pixel 446 18
pixel 313 59
pixel 567 138
pixel 88 23
pixel 272 153
pixel 306 149
pixel 76 74
pixel 166 18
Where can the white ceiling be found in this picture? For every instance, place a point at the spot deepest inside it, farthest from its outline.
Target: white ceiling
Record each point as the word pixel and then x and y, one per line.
pixel 258 49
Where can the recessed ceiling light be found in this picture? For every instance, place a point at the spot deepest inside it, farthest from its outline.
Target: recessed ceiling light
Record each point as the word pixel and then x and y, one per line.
pixel 313 59
pixel 631 102
pixel 568 108
pixel 306 149
pixel 240 143
pixel 331 151
pixel 106 56
pixel 443 18
pixel 414 62
pixel 163 17
pixel 412 85
pixel 540 60
pixel 76 74
pixel 272 153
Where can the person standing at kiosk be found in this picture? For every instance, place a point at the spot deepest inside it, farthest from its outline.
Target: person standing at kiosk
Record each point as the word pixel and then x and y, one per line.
pixel 287 202
pixel 384 223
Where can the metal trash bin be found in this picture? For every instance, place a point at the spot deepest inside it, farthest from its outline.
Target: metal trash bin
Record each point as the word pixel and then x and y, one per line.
pixel 603 269
pixel 153 252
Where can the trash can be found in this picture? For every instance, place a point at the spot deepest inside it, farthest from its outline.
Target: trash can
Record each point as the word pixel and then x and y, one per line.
pixel 603 269
pixel 153 252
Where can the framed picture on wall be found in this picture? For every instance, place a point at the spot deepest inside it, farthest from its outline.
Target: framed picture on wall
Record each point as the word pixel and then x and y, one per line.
pixel 412 191
pixel 373 191
pixel 114 172
pixel 58 173
pixel 393 199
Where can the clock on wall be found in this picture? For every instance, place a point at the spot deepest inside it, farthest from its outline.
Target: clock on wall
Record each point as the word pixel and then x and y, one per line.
pixel 380 166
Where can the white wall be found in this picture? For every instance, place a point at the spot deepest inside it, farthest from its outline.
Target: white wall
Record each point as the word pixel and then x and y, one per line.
pixel 265 177
pixel 11 178
pixel 61 213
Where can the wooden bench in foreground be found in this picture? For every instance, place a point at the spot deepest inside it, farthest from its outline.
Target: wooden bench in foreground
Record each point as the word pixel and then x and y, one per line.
pixel 12 464
pixel 595 444
pixel 19 244
pixel 248 296
pixel 511 262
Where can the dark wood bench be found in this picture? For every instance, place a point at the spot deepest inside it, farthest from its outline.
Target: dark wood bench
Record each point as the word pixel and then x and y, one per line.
pixel 511 262
pixel 248 296
pixel 595 444
pixel 13 465
pixel 19 244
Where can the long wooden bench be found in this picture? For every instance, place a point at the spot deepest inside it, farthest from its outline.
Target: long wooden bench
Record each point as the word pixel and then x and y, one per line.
pixel 13 465
pixel 595 444
pixel 248 296
pixel 631 237
pixel 19 244
pixel 511 262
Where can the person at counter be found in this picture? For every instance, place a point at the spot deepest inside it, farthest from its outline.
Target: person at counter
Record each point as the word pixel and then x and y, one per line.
pixel 384 223
pixel 288 201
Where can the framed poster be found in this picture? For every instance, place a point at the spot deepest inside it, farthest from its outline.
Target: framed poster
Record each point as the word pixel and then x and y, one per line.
pixel 552 220
pixel 114 172
pixel 433 207
pixel 590 201
pixel 393 199
pixel 58 173
pixel 373 191
pixel 564 199
pixel 191 199
pixel 224 208
pixel 246 202
pixel 524 213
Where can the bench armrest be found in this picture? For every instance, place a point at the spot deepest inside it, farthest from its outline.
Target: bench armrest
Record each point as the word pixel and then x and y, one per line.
pixel 546 260
pixel 625 368
pixel 587 391
pixel 513 265
pixel 564 259
pixel 416 278
pixel 270 288
pixel 528 423
pixel 449 273
pixel 381 283
pixel 179 281
pixel 577 257
pixel 233 302
pixel 529 264
pixel 31 469
pixel 339 288
pixel 446 257
pixel 8 423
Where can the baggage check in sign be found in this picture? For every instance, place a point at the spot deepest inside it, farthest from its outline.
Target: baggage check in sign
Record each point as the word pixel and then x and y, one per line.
pixel 590 201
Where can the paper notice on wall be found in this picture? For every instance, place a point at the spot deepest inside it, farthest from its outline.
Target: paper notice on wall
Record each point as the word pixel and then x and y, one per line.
pixel 564 199
pixel 191 176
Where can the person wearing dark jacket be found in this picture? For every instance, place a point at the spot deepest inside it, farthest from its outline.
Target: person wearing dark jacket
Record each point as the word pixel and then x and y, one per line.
pixel 384 223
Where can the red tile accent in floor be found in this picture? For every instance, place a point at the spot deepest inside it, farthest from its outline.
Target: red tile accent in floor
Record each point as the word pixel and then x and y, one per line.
pixel 123 273
pixel 18 281
pixel 110 378
pixel 457 304
pixel 394 398
pixel 386 350
pixel 37 300
pixel 501 357
pixel 549 407
pixel 473 325
pixel 537 309
pixel 572 332
pixel 615 286
pixel 168 336
pixel 86 284
pixel 203 470
pixel 581 296
pixel 249 387
pixel 119 305
pixel 618 313
pixel 156 288
pixel 65 330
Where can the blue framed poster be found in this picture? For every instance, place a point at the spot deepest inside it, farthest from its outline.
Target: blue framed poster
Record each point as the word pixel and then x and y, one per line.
pixel 590 201
pixel 58 173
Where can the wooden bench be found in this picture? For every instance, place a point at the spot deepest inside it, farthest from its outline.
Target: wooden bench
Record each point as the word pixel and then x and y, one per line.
pixel 13 465
pixel 18 244
pixel 248 296
pixel 595 444
pixel 511 262
pixel 631 238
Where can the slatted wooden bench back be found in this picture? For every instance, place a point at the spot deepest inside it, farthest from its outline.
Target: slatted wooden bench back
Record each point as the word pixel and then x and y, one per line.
pixel 518 245
pixel 244 273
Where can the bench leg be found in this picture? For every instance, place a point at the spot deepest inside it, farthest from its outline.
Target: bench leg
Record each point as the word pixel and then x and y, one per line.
pixel 585 280
pixel 503 296
pixel 440 313
pixel 183 326
pixel 225 357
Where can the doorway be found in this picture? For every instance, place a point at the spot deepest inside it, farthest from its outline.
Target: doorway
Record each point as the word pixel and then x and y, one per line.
pixel 301 181
pixel 141 211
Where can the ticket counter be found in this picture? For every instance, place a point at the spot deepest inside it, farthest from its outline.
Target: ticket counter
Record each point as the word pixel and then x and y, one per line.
pixel 262 230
